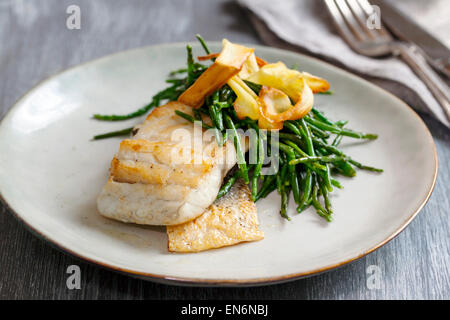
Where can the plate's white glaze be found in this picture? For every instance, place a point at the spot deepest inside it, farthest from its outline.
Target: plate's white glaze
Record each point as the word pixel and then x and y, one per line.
pixel 51 174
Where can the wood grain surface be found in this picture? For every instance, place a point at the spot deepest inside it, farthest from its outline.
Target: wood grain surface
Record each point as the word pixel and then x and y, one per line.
pixel 35 43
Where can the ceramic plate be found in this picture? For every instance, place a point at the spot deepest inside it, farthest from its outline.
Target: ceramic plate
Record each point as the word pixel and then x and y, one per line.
pixel 51 173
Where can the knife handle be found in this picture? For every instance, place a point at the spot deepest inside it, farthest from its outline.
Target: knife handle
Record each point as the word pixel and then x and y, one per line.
pixel 417 62
pixel 440 65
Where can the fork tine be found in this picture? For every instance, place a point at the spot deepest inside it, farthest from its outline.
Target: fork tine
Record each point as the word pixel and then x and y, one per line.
pixel 366 6
pixel 361 18
pixel 368 9
pixel 354 33
pixel 350 19
pixel 341 25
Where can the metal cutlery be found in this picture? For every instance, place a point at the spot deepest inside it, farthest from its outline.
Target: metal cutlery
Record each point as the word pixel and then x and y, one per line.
pixel 351 16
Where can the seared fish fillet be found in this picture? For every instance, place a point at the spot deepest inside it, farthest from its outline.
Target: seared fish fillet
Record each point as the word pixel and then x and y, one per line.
pixel 229 220
pixel 151 182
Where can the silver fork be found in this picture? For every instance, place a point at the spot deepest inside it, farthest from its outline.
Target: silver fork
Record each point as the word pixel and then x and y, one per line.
pixel 351 16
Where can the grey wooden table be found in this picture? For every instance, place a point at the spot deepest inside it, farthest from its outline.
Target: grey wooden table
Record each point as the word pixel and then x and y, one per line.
pixel 35 43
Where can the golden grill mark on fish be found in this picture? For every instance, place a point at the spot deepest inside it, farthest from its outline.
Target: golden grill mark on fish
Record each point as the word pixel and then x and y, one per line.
pixel 229 220
pixel 149 184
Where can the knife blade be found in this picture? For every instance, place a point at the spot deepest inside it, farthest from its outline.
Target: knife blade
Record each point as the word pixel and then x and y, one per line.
pixel 436 53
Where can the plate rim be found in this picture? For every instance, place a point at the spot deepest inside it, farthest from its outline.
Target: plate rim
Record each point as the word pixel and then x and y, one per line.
pixel 190 281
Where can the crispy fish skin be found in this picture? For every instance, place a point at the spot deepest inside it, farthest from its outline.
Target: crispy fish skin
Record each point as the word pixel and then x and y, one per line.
pixel 149 182
pixel 229 220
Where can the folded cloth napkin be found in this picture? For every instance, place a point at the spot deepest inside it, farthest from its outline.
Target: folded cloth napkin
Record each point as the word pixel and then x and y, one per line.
pixel 305 25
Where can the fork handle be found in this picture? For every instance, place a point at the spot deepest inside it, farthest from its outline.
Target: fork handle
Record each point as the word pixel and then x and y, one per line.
pixel 417 62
